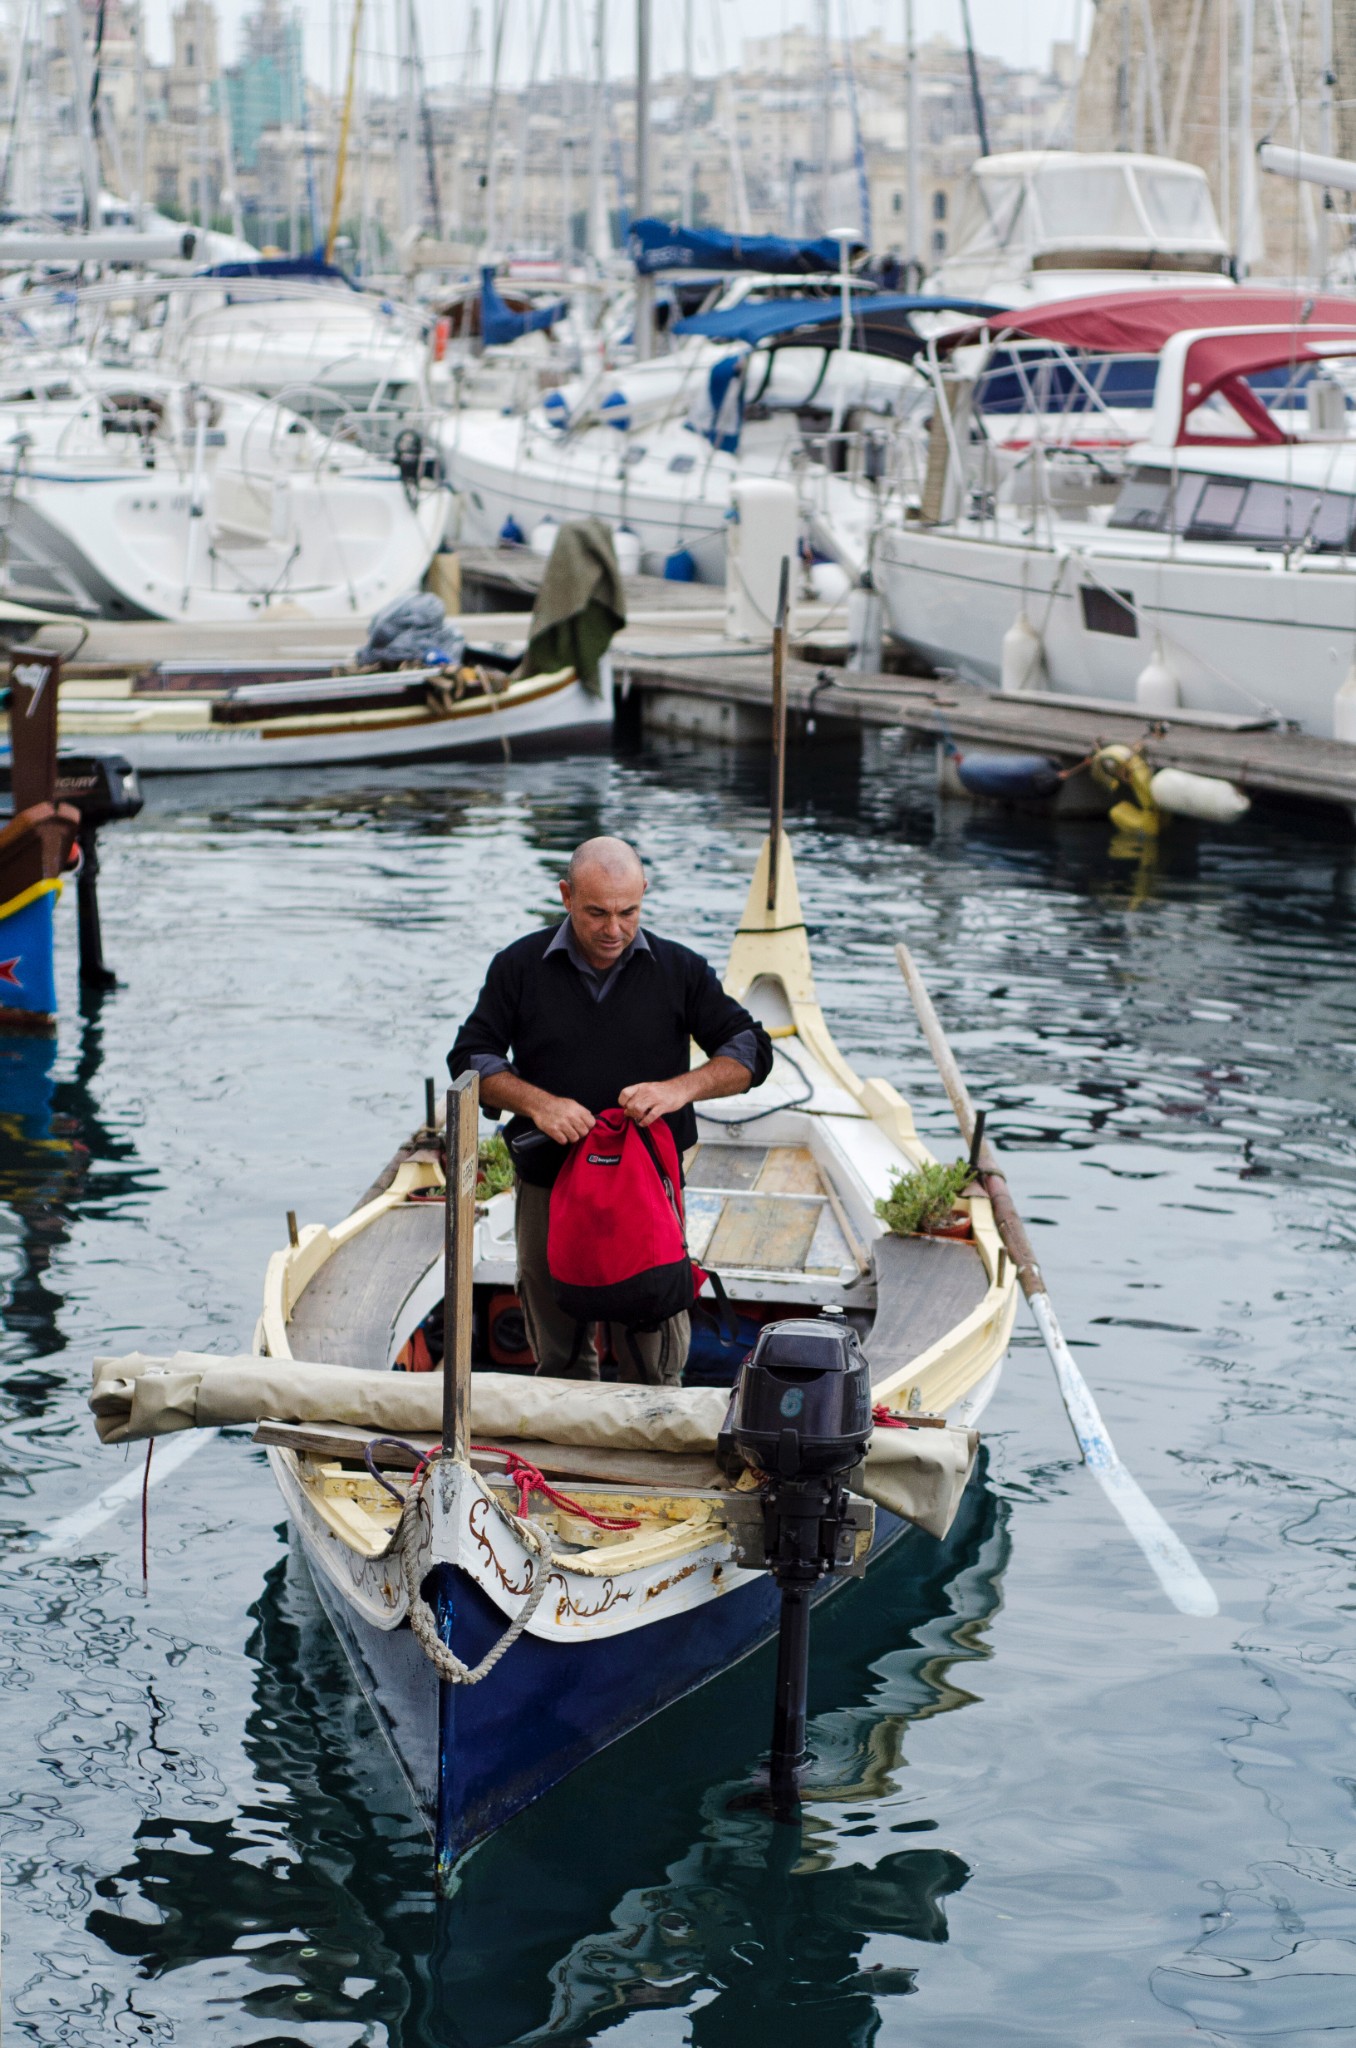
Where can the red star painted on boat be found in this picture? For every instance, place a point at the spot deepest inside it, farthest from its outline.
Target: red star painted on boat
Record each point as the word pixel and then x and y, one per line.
pixel 7 973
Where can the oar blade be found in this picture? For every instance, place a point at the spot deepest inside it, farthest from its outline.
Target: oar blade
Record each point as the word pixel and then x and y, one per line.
pixel 1173 1565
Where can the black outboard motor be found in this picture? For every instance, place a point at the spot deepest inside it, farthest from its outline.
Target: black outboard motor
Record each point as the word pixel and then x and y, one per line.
pixel 105 790
pixel 801 1418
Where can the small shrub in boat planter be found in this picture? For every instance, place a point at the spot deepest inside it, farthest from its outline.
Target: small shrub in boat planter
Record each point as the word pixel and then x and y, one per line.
pixel 924 1200
pixel 494 1169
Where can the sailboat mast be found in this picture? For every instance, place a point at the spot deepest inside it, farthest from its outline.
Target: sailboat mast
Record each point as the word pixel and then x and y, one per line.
pixel 84 128
pixel 976 96
pixel 825 119
pixel 501 8
pixel 1244 194
pixel 341 154
pixel 914 251
pixel 1327 80
pixel 687 114
pixel 644 285
pixel 141 115
pixel 597 217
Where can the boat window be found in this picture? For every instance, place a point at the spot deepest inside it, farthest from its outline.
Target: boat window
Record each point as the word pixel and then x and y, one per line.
pixel 1183 510
pixel 1276 512
pixel 681 464
pixel 989 214
pixel 1178 205
pixel 1080 203
pixel 1279 515
pixel 1143 500
pixel 1219 505
pixel 1109 611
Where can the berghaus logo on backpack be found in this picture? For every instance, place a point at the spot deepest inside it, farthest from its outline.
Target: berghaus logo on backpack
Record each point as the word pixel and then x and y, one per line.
pixel 615 1245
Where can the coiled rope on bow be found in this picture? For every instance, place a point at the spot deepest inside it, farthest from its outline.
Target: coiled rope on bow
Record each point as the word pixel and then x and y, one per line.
pixel 423 1620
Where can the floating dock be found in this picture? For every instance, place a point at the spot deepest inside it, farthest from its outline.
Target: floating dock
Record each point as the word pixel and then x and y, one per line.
pixel 727 695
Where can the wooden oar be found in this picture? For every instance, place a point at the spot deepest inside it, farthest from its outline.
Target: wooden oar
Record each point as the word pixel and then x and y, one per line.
pixel 1177 1571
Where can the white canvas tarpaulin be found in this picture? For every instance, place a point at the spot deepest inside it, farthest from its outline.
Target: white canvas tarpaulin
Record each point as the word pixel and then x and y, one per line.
pixel 919 1474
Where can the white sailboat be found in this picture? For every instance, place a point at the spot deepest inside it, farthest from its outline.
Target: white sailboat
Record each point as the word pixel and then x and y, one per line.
pixel 1216 572
pixel 135 495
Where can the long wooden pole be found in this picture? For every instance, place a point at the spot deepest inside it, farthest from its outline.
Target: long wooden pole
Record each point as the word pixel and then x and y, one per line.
pixel 463 1112
pixel 1177 1571
pixel 778 732
pixel 341 155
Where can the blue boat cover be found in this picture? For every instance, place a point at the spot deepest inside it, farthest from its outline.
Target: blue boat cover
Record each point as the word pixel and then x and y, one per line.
pixel 881 322
pixel 314 267
pixel 661 245
pixel 500 324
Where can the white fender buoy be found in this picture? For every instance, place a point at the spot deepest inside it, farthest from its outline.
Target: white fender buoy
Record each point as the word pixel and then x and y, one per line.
pixel 542 538
pixel 1021 665
pixel 829 582
pixel 1206 797
pixel 627 547
pixel 1156 685
pixel 1344 709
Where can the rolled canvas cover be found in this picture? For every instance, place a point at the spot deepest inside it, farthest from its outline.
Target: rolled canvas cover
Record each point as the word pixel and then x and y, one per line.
pixel 919 1474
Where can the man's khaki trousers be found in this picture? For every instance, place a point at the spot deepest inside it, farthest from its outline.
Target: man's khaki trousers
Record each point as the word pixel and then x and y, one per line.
pixel 657 1356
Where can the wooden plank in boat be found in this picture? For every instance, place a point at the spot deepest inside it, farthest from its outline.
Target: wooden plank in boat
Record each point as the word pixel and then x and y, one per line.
pixel 924 1287
pixel 829 1250
pixel 701 1213
pixel 727 1166
pixel 764 1231
pixel 665 1471
pixel 346 1315
pixel 790 1170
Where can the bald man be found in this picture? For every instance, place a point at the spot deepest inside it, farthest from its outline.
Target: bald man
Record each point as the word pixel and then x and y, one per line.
pixel 595 1014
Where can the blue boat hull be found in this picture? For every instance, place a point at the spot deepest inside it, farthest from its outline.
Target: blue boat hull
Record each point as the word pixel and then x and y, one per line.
pixel 473 1756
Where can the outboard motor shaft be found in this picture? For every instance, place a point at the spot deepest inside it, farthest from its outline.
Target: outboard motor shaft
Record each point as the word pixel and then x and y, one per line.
pixel 800 1418
pixel 104 789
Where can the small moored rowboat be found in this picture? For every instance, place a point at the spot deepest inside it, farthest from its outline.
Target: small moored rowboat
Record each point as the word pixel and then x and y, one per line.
pixel 781 1200
pixel 581 1558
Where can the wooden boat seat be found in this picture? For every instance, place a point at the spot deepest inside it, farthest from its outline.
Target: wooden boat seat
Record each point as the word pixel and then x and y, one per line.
pixel 348 1313
pixel 924 1287
pixel 762 1208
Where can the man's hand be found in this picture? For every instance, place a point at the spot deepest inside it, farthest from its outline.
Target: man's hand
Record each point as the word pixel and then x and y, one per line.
pixel 556 1116
pixel 562 1119
pixel 646 1101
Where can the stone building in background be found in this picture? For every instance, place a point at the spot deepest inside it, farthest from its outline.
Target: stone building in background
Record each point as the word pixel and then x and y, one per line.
pixel 1166 77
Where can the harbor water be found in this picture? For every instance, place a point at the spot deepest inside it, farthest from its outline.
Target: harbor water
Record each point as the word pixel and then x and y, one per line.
pixel 1043 1807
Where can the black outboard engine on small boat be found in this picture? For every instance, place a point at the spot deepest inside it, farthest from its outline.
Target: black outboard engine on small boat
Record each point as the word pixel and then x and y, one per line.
pixel 800 1418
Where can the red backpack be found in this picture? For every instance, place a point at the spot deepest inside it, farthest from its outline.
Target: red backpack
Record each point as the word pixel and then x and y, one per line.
pixel 615 1247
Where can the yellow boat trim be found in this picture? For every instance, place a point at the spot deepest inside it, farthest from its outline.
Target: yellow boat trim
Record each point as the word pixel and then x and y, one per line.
pixel 52 886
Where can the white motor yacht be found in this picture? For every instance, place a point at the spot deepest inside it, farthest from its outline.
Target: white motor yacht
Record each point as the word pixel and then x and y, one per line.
pixel 1215 571
pixel 1048 224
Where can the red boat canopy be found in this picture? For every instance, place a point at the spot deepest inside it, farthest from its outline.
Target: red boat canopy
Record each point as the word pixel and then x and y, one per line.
pixel 1138 323
pixel 1222 362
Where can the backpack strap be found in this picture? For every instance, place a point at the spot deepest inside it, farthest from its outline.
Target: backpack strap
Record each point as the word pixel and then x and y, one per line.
pixel 725 1315
pixel 660 1169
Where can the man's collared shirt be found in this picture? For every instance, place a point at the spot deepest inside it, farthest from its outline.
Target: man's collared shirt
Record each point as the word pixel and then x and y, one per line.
pixel 743 1047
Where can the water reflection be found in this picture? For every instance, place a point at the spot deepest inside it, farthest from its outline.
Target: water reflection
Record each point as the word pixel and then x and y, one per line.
pixel 594 1904
pixel 58 1158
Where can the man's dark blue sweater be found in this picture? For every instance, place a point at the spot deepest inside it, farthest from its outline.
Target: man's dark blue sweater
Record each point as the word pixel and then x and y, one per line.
pixel 543 1015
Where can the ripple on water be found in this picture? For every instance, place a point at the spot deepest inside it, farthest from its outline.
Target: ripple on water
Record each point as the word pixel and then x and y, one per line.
pixel 1042 1807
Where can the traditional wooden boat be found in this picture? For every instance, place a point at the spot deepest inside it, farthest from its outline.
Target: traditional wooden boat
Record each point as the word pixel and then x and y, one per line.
pixel 36 845
pixel 642 1584
pixel 185 717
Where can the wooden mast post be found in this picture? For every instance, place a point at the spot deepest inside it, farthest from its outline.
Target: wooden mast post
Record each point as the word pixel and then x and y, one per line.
pixel 463 1128
pixel 778 733
pixel 463 1118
